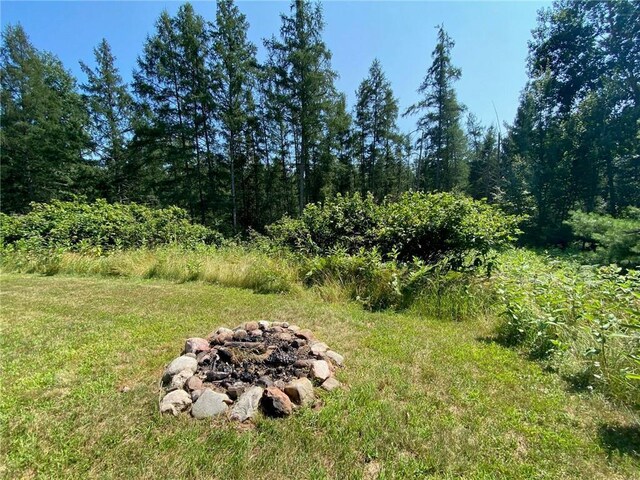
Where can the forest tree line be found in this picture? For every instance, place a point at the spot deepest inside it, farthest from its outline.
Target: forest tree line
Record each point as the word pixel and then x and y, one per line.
pixel 239 143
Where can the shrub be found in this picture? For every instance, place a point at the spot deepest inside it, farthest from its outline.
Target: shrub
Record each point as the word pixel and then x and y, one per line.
pixel 445 228
pixel 100 226
pixel 344 223
pixel 365 277
pixel 583 320
pixel 611 240
pixel 438 228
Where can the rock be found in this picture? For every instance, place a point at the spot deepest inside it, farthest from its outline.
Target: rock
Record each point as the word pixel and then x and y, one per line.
pixel 284 324
pixel 175 402
pixel 284 336
pixel 221 335
pixel 276 403
pixel 300 391
pixel 279 384
pixel 240 334
pixel 294 328
pixel 191 355
pixel 236 390
pixel 255 333
pixel 251 326
pixel 305 333
pixel 194 383
pixel 247 404
pixel 209 404
pixel 298 342
pixel 330 384
pixel 320 370
pixel 196 394
pixel 263 324
pixel 265 381
pixel 220 338
pixel 318 348
pixel 304 363
pixel 276 329
pixel 179 364
pixel 196 345
pixel 179 379
pixel 335 357
pixel 276 324
pixel 203 357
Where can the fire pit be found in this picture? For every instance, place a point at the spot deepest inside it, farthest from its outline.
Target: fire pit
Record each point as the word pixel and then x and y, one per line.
pixel 272 366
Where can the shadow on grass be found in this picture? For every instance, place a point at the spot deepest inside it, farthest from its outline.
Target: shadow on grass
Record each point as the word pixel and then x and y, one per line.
pixel 579 382
pixel 620 439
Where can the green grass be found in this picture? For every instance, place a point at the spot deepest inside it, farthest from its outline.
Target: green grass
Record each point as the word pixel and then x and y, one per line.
pixel 423 397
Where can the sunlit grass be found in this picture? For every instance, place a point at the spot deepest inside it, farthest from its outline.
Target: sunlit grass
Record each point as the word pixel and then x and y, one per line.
pixel 423 397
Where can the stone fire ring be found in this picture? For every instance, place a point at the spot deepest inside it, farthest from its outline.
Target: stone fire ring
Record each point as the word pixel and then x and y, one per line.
pixel 268 366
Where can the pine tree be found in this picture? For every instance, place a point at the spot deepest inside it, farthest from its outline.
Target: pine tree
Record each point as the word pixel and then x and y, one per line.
pixel 301 63
pixel 338 174
pixel 484 168
pixel 380 150
pixel 442 137
pixel 235 70
pixel 173 84
pixel 42 126
pixel 111 113
pixel 578 123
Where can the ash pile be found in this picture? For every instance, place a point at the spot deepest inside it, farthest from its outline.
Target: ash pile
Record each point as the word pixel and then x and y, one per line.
pixel 258 366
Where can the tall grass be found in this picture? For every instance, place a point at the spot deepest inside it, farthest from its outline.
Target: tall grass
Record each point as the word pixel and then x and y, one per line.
pixel 583 321
pixel 230 266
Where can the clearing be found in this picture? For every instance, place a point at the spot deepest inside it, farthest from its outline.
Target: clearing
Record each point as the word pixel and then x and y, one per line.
pixel 423 397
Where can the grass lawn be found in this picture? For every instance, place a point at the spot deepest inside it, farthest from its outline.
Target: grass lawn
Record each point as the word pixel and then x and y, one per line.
pixel 423 397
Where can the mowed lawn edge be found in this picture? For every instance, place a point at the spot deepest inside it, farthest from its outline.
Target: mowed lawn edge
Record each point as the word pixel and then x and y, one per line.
pixel 423 397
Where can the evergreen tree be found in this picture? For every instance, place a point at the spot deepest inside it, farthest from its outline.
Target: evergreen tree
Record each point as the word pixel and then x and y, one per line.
pixel 484 169
pixel 173 85
pixel 339 171
pixel 376 114
pixel 301 63
pixel 111 114
pixel 42 126
pixel 442 137
pixel 235 69
pixel 582 107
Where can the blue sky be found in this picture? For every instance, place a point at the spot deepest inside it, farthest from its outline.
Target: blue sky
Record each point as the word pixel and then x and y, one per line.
pixel 491 40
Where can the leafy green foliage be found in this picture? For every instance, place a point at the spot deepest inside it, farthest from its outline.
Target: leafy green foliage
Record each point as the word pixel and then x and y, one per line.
pixel 435 228
pixel 343 223
pixel 576 130
pixel 612 240
pixel 42 126
pixel 99 227
pixel 583 320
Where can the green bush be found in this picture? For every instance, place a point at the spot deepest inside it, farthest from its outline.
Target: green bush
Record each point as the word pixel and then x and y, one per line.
pixel 344 223
pixel 611 240
pixel 445 228
pixel 100 227
pixel 440 228
pixel 583 320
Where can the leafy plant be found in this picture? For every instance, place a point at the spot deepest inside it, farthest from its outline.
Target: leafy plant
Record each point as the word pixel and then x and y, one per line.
pixel 435 228
pixel 582 320
pixel 101 227
pixel 607 239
